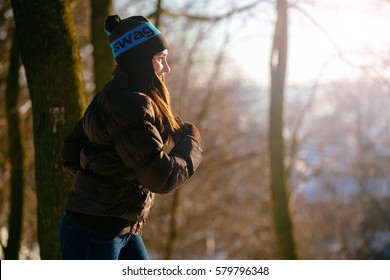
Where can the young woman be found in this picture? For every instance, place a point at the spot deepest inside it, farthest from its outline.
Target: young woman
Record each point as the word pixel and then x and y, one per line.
pixel 116 150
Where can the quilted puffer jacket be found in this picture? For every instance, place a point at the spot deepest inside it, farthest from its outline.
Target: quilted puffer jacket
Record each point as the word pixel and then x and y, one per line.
pixel 116 154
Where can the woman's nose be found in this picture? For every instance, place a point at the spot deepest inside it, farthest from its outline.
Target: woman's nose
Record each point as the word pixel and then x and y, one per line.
pixel 166 68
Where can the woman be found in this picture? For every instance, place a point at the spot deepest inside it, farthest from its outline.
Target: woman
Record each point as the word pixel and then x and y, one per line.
pixel 116 150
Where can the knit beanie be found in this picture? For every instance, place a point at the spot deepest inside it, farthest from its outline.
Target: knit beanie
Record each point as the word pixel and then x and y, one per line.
pixel 133 39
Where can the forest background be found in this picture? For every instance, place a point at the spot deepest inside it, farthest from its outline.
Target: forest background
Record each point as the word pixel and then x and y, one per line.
pixel 291 98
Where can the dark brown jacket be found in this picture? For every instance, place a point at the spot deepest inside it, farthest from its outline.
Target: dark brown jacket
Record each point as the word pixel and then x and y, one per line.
pixel 116 154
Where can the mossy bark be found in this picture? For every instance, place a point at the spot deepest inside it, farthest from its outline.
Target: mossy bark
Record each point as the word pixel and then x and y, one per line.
pixel 50 55
pixel 103 59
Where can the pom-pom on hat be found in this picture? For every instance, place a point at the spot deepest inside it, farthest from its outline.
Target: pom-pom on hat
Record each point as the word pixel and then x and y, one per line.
pixel 133 39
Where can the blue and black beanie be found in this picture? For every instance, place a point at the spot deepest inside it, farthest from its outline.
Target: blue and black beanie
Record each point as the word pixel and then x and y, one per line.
pixel 133 39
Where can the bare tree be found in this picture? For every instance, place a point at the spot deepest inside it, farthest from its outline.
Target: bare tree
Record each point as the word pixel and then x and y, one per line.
pixel 346 164
pixel 282 219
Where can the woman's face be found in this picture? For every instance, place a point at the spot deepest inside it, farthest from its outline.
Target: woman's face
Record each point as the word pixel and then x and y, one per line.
pixel 160 64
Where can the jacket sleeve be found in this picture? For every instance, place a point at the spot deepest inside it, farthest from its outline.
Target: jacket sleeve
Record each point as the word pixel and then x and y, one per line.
pixel 139 144
pixel 70 151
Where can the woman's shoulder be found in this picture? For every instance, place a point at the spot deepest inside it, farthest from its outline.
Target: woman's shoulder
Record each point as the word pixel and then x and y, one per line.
pixel 130 105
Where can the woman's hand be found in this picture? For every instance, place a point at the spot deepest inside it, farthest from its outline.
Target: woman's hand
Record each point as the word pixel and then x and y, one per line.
pixel 188 129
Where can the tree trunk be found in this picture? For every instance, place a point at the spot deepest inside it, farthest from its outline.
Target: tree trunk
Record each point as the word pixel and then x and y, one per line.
pixel 170 249
pixel 103 61
pixel 281 215
pixel 50 54
pixel 15 156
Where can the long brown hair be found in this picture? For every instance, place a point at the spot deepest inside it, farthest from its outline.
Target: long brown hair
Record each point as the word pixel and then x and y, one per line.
pixel 160 95
pixel 142 77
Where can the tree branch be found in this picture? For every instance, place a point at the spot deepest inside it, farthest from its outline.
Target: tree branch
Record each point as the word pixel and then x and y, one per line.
pixel 339 52
pixel 208 18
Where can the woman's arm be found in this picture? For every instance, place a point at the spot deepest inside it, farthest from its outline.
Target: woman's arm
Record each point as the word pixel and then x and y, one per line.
pixel 70 151
pixel 138 143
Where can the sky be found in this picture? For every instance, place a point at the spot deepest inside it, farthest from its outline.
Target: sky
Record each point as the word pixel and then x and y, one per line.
pixel 359 29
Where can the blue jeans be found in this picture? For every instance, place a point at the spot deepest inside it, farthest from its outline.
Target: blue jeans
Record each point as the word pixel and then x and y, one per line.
pixel 79 243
